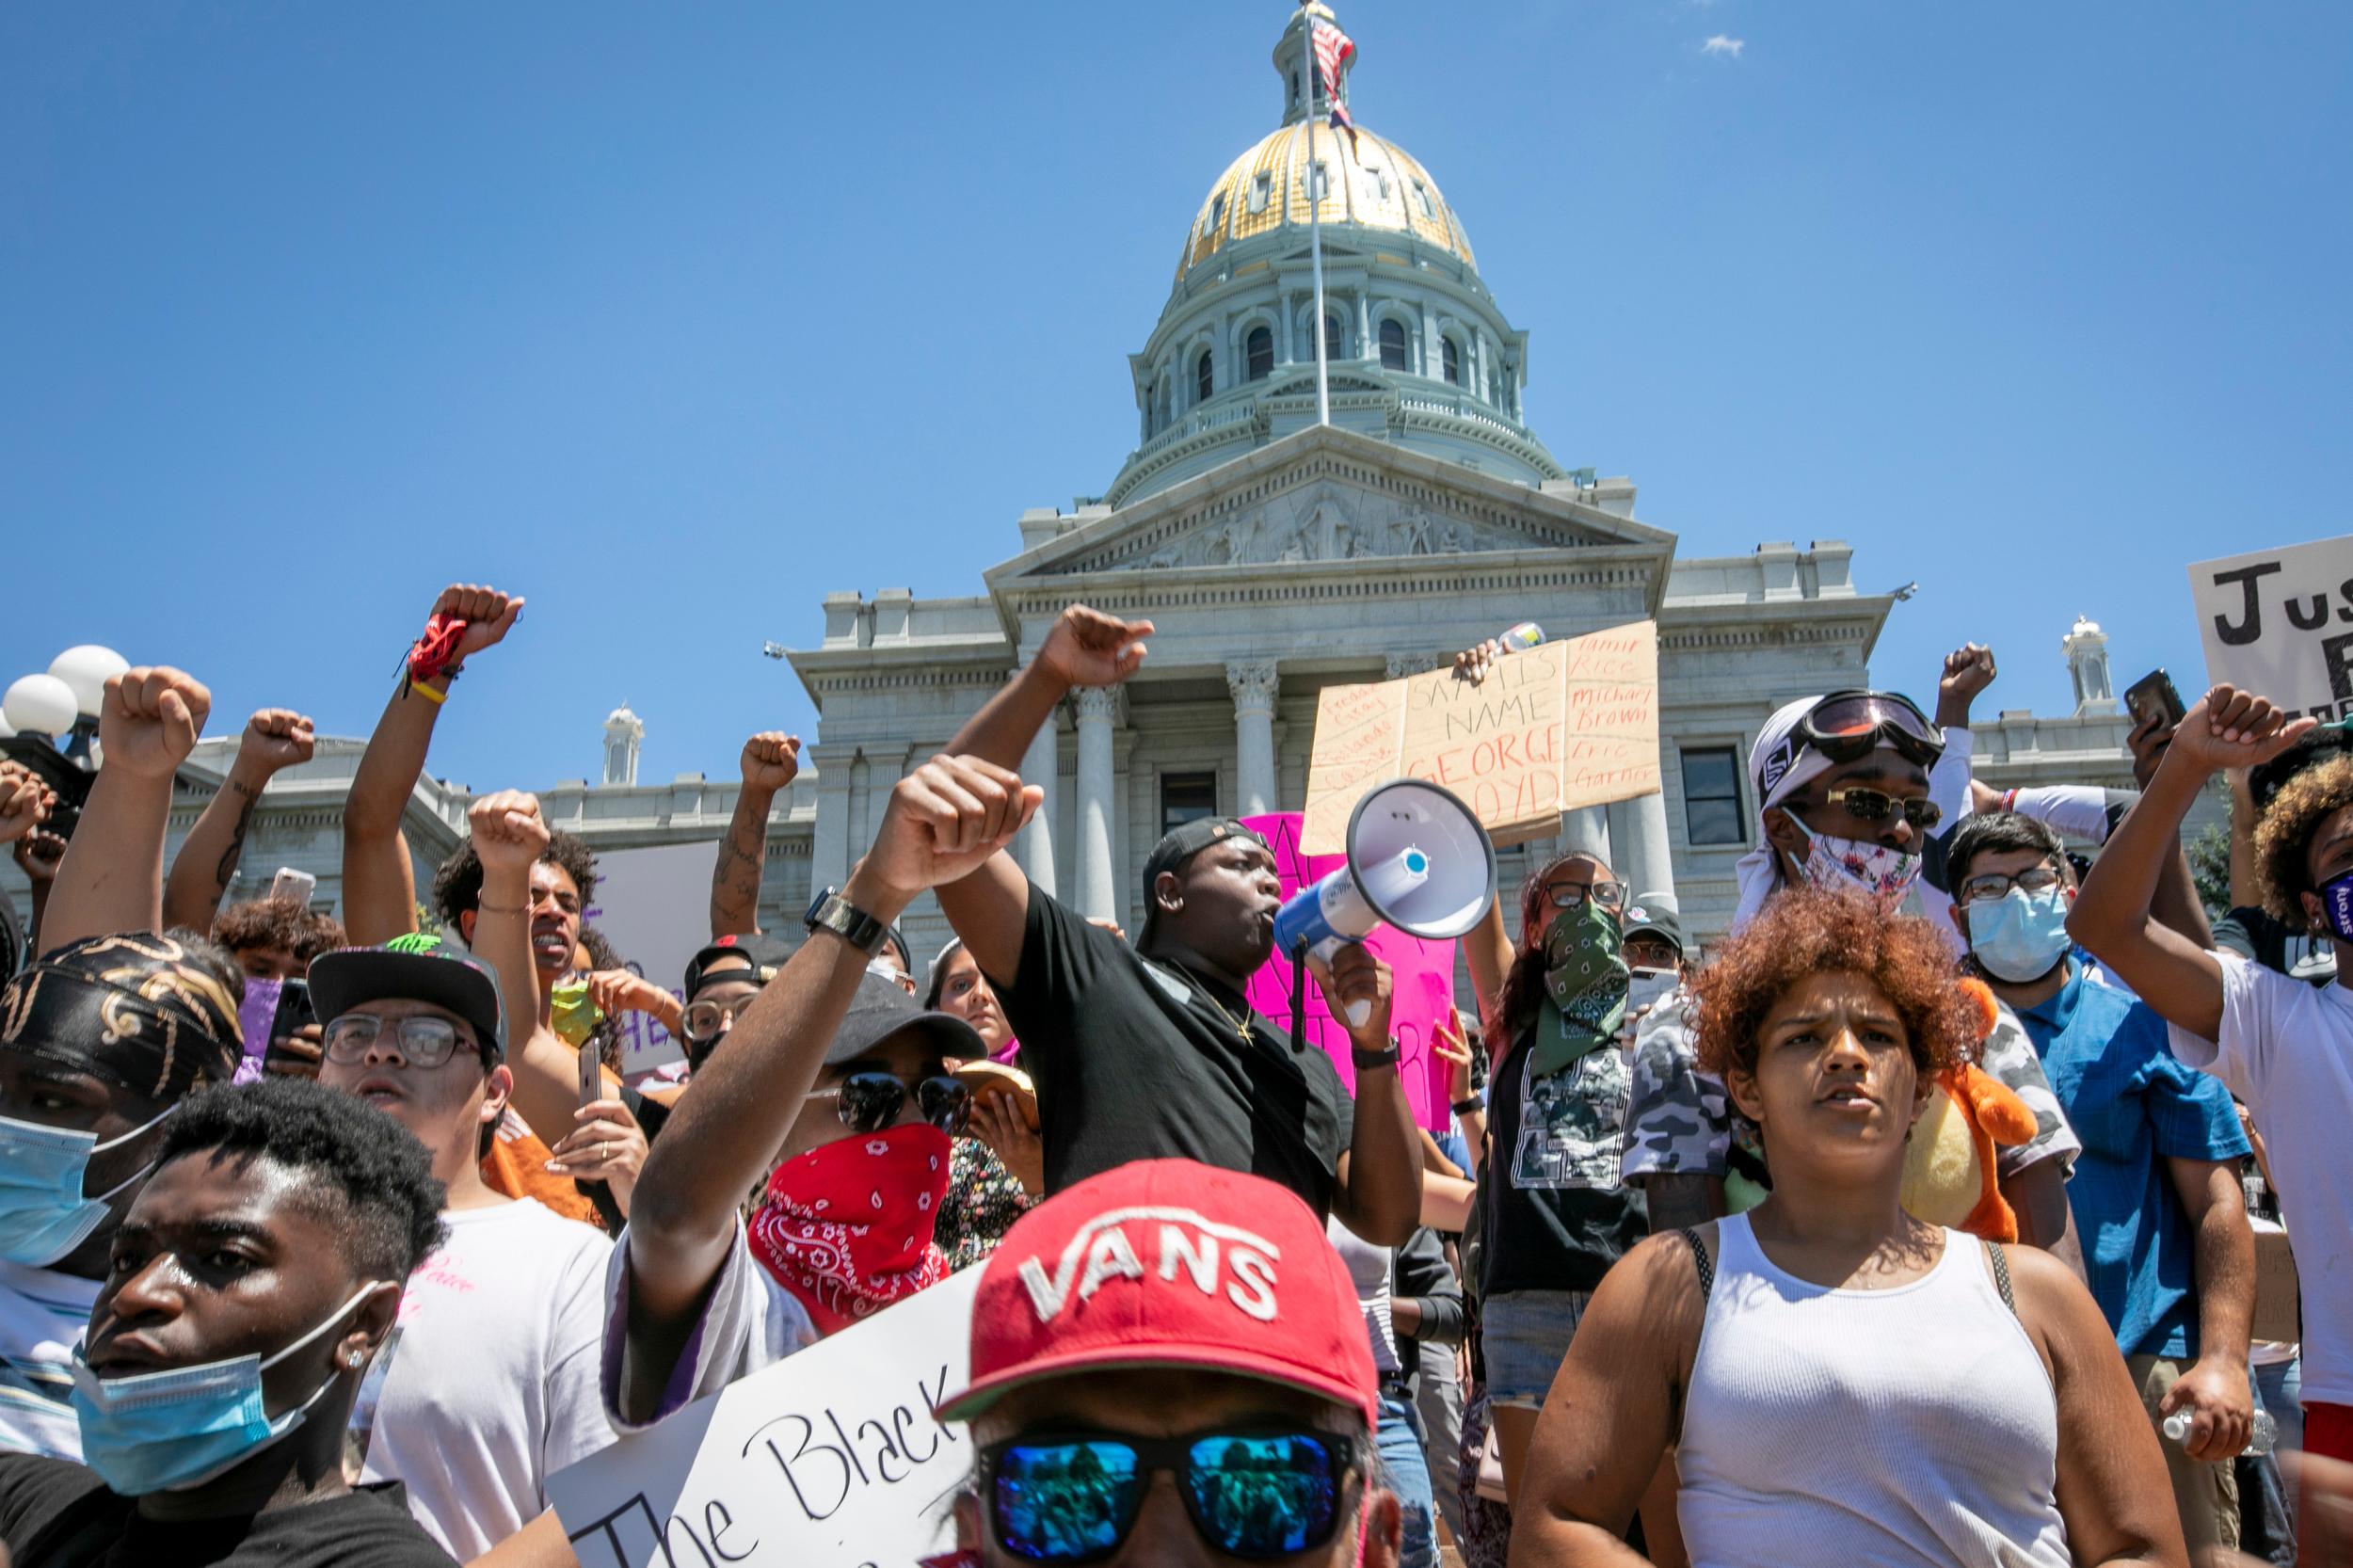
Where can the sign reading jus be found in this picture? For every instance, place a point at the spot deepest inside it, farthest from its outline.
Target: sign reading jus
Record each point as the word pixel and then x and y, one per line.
pixel 1422 985
pixel 2280 623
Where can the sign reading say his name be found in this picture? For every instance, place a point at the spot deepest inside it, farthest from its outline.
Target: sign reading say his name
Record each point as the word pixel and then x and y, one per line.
pixel 829 1457
pixel 2280 623
pixel 1561 725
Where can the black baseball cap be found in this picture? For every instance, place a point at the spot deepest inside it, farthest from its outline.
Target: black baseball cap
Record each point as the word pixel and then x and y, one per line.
pixel 416 967
pixel 1647 914
pixel 1185 840
pixel 881 1009
pixel 764 954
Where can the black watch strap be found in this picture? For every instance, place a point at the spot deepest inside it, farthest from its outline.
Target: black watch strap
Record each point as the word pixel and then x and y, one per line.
pixel 1367 1060
pixel 830 911
pixel 1469 1103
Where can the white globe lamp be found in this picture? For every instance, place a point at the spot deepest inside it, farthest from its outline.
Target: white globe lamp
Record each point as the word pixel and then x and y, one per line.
pixel 39 705
pixel 86 668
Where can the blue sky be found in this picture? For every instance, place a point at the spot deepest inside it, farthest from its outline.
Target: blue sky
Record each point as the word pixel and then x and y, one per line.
pixel 674 319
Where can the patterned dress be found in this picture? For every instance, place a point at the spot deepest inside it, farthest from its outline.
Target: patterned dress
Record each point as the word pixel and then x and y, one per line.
pixel 984 1200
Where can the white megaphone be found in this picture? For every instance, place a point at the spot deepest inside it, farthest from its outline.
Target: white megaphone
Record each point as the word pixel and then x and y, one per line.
pixel 1417 860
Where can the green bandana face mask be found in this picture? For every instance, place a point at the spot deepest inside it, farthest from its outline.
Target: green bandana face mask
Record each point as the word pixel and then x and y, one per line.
pixel 1585 982
pixel 570 1013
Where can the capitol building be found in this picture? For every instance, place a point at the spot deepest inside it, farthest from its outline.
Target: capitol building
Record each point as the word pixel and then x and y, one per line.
pixel 1277 556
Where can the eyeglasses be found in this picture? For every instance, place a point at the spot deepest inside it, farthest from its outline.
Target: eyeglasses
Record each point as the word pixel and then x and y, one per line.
pixel 1569 895
pixel 707 1020
pixel 1073 1499
pixel 1991 886
pixel 1868 805
pixel 870 1101
pixel 424 1041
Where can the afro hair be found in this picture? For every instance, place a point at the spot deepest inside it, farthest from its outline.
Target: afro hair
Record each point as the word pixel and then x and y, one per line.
pixel 458 883
pixel 2283 836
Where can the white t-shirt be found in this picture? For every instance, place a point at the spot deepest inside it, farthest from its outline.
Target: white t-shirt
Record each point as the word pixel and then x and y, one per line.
pixel 1371 1269
pixel 488 1383
pixel 43 1315
pixel 2286 1048
pixel 750 1322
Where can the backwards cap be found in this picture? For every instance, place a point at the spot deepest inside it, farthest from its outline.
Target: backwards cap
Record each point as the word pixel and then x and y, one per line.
pixel 1169 1263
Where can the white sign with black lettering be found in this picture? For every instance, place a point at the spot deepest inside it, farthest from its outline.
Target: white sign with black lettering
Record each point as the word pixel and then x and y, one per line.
pixel 828 1457
pixel 2280 623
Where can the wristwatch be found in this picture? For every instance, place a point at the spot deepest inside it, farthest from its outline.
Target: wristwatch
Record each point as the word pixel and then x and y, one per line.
pixel 830 911
pixel 1366 1060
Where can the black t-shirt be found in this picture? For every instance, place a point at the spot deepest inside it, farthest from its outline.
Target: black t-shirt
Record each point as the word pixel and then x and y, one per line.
pixel 1133 1060
pixel 2256 936
pixel 1558 1212
pixel 59 1514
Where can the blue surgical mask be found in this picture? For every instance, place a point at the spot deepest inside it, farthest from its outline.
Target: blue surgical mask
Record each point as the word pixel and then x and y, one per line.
pixel 44 1215
pixel 2019 935
pixel 168 1431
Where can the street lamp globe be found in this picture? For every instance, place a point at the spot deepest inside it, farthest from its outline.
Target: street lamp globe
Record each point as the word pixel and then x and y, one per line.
pixel 86 668
pixel 39 705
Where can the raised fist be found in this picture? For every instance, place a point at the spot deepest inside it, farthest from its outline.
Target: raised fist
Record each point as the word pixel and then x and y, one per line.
pixel 275 738
pixel 150 718
pixel 944 819
pixel 488 615
pixel 24 801
pixel 1473 662
pixel 1357 988
pixel 1968 670
pixel 771 761
pixel 1089 648
pixel 2230 729
pixel 508 833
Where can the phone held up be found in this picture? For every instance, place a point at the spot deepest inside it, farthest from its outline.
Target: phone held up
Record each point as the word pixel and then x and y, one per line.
pixel 2154 696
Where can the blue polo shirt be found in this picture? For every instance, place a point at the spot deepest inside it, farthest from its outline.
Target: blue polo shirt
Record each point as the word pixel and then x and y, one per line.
pixel 2134 1106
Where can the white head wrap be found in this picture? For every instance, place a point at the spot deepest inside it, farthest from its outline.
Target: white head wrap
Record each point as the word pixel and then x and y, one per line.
pixel 1775 776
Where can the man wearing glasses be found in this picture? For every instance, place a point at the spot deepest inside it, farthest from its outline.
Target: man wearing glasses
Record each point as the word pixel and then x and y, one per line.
pixel 488 1385
pixel 2172 1260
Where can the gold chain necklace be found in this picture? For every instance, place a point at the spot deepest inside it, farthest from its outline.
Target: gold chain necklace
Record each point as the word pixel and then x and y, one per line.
pixel 1240 1026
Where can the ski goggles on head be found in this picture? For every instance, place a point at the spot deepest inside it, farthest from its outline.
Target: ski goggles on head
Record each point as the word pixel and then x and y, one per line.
pixel 1067 1498
pixel 1845 726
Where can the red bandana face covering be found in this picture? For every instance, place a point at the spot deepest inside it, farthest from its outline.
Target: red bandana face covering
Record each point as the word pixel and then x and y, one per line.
pixel 847 1228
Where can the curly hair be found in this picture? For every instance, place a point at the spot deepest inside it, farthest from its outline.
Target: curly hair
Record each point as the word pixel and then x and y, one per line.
pixel 604 1040
pixel 365 1171
pixel 279 922
pixel 1809 931
pixel 2283 837
pixel 1524 986
pixel 457 882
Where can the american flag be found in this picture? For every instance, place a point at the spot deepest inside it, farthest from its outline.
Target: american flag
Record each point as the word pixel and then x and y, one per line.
pixel 1334 51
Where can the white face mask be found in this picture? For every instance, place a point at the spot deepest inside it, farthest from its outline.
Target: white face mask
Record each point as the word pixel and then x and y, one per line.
pixel 1881 874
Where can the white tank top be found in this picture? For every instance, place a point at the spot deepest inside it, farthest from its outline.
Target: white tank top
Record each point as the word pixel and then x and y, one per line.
pixel 1908 1427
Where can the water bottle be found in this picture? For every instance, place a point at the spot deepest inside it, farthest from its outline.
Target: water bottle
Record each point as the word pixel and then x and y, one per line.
pixel 2263 1433
pixel 1522 638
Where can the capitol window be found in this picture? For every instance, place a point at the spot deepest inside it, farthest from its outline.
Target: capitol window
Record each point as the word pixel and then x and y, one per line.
pixel 1333 337
pixel 1380 183
pixel 1711 796
pixel 1319 182
pixel 1204 379
pixel 1261 190
pixel 1392 345
pixel 1217 215
pixel 1450 358
pixel 1258 349
pixel 1186 797
pixel 1428 208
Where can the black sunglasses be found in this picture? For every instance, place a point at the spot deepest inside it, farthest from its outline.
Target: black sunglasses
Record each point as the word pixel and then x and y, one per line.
pixel 870 1101
pixel 1072 1497
pixel 1868 805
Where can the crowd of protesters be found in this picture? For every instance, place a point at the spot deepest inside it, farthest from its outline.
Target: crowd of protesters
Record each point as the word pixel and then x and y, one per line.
pixel 1913 1222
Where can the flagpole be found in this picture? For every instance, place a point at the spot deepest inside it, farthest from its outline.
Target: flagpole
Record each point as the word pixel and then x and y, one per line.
pixel 1315 222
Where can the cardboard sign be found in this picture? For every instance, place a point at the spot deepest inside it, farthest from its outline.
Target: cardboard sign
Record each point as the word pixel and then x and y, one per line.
pixel 830 1456
pixel 1422 986
pixel 2280 623
pixel 654 907
pixel 1561 725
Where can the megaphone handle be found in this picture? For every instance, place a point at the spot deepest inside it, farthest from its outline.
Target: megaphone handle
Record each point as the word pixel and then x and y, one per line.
pixel 1299 991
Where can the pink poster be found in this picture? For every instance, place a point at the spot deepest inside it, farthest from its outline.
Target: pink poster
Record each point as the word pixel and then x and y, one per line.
pixel 1424 985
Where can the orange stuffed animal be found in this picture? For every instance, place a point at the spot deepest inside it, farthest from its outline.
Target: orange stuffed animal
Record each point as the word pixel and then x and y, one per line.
pixel 1950 1176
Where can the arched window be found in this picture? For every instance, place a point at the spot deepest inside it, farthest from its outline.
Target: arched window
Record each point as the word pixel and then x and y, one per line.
pixel 1204 381
pixel 1333 337
pixel 1450 358
pixel 1162 410
pixel 1392 345
pixel 1258 349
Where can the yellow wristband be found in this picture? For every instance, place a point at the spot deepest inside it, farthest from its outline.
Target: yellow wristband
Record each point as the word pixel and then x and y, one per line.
pixel 437 698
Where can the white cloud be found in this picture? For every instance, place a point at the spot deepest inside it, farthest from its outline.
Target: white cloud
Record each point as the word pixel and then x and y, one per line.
pixel 1728 48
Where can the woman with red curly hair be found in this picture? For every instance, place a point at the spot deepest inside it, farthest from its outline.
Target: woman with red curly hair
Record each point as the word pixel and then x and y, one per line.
pixel 1843 1383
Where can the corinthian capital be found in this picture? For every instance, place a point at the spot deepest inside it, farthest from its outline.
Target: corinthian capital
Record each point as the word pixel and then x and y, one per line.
pixel 1254 686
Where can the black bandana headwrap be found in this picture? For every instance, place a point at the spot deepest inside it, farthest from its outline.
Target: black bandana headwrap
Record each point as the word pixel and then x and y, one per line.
pixel 135 1008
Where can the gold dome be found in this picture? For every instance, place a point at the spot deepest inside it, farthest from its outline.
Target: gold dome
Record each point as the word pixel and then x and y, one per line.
pixel 1376 184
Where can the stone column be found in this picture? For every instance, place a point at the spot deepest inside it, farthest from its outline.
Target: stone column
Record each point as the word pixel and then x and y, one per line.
pixel 1254 686
pixel 830 851
pixel 1034 848
pixel 1587 830
pixel 1096 890
pixel 1639 829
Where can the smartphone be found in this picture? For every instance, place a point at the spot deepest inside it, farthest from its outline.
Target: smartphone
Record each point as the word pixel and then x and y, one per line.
pixel 1648 988
pixel 294 1012
pixel 292 886
pixel 591 1075
pixel 2155 696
